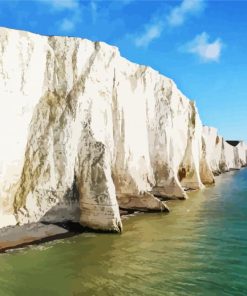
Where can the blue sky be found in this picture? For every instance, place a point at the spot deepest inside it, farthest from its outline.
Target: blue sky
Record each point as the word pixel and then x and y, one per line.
pixel 200 44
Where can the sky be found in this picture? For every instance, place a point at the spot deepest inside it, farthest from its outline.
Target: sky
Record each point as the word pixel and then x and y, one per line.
pixel 200 44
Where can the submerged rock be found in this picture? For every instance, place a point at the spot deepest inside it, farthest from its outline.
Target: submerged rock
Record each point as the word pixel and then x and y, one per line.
pixel 84 131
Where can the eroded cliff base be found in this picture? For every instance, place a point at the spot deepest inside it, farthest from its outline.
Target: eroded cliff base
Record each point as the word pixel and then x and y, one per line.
pixel 18 237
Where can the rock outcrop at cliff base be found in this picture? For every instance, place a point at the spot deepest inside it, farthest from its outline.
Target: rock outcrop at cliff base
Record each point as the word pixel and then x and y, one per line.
pixel 84 132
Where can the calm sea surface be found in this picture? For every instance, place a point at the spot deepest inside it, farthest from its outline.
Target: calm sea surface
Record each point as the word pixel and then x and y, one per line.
pixel 200 248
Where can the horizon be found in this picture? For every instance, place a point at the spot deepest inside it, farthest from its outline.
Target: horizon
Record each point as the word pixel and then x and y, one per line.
pixel 168 36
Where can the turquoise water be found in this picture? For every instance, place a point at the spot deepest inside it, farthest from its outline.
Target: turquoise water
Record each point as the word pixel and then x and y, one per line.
pixel 200 248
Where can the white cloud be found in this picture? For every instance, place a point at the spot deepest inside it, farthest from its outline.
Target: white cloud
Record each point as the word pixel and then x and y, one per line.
pixel 180 13
pixel 200 45
pixel 94 11
pixel 177 16
pixel 67 25
pixel 152 32
pixel 62 4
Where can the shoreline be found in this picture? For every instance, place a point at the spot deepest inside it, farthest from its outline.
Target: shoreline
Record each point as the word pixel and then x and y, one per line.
pixel 16 237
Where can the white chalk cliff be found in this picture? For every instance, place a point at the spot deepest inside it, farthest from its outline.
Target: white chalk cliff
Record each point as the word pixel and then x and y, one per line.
pixel 84 131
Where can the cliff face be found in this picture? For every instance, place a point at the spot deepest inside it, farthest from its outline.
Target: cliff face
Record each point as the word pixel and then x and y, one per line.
pixel 84 131
pixel 221 156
